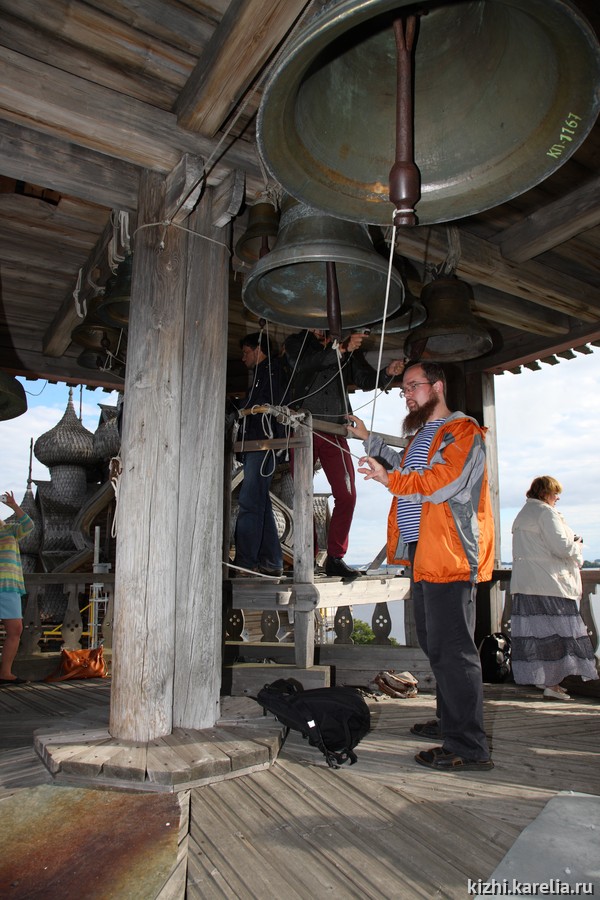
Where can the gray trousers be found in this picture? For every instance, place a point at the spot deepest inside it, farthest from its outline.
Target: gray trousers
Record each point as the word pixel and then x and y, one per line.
pixel 445 623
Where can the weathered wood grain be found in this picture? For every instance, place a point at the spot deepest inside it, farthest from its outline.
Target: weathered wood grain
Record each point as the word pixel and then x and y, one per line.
pixel 198 628
pixel 238 49
pixel 145 582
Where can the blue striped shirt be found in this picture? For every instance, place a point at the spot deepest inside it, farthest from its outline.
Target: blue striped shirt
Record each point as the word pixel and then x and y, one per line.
pixel 415 457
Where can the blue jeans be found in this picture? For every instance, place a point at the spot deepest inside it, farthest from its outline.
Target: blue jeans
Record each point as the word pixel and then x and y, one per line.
pixel 256 538
pixel 445 624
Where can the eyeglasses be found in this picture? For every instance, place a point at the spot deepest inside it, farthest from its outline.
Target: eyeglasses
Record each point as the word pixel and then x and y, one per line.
pixel 411 388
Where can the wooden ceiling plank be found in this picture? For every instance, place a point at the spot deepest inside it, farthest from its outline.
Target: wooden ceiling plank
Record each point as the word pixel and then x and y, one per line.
pixel 43 255
pixel 517 313
pixel 481 262
pixel 118 70
pixel 99 119
pixel 35 213
pixel 51 162
pixel 553 224
pixel 186 26
pixel 34 365
pixel 39 234
pixel 239 48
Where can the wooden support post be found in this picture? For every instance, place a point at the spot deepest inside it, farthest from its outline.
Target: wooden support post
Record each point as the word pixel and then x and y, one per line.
pixel 147 513
pixel 488 402
pixel 481 405
pixel 198 635
pixel 304 572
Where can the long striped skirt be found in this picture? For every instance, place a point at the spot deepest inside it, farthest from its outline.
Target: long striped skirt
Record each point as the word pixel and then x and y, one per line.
pixel 549 641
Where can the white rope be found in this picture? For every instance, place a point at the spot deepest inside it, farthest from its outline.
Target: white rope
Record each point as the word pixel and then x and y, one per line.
pixel 124 230
pixel 166 223
pixel 80 308
pixel 115 467
pixel 252 572
pixel 385 309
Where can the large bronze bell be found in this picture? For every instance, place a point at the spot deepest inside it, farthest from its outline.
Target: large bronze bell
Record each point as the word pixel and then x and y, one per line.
pixel 504 92
pixel 259 236
pixel 114 307
pixel 289 284
pixel 451 332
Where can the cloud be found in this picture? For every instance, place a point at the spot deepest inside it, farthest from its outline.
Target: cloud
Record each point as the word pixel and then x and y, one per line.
pixel 548 424
pixel 46 407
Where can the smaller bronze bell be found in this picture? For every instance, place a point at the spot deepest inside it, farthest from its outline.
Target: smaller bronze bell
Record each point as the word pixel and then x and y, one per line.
pixel 94 335
pixel 89 359
pixel 289 285
pixel 411 315
pixel 263 223
pixel 114 307
pixel 13 400
pixel 104 347
pixel 451 332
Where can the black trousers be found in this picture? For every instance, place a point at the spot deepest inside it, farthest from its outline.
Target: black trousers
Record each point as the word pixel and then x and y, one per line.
pixel 445 623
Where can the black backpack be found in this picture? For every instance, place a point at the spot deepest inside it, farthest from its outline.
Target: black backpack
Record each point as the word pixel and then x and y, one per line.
pixel 334 719
pixel 494 653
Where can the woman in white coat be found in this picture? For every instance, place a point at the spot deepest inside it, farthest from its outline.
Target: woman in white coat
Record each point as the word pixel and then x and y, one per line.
pixel 549 638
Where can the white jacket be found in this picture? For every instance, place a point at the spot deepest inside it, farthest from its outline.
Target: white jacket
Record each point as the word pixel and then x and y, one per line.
pixel 546 559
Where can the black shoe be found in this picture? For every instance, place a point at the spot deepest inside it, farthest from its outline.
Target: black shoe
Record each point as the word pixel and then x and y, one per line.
pixel 336 567
pixel 274 573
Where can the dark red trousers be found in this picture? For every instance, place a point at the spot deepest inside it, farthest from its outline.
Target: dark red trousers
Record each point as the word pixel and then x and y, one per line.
pixel 333 453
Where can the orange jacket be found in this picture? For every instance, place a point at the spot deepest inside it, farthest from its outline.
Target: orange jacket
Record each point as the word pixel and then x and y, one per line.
pixel 456 536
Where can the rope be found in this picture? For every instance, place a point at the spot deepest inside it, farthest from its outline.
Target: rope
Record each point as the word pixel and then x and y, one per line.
pixel 385 309
pixel 252 572
pixel 80 309
pixel 167 223
pixel 115 468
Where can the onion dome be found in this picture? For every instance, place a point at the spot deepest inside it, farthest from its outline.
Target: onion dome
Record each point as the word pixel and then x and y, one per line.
pixel 68 443
pixel 107 441
pixel 31 543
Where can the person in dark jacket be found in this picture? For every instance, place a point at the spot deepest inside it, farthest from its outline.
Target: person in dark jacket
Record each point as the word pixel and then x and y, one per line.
pixel 318 386
pixel 257 546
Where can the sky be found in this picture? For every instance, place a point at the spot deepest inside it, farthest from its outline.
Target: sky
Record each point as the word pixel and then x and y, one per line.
pixel 548 423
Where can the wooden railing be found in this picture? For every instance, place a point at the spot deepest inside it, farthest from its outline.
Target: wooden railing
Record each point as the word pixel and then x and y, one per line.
pixel 84 592
pixel 342 615
pixel 341 602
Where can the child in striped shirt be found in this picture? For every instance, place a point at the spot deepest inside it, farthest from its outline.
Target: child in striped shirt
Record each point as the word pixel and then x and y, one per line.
pixel 12 586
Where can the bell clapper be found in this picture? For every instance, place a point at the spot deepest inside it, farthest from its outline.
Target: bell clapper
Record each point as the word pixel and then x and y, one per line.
pixel 405 179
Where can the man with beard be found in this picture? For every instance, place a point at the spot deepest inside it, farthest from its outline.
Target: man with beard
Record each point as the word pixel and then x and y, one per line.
pixel 440 524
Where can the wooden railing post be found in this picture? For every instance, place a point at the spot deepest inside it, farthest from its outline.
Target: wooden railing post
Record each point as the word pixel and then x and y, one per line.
pixel 304 565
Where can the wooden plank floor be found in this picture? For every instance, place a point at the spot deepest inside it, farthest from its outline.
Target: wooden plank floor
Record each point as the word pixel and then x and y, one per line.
pixel 36 705
pixel 384 828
